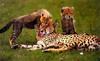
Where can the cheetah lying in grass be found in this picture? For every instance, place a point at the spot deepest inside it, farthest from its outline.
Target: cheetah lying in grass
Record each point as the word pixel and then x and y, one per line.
pixel 59 42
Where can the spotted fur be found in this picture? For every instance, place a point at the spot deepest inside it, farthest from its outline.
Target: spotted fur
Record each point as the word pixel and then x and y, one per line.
pixel 73 41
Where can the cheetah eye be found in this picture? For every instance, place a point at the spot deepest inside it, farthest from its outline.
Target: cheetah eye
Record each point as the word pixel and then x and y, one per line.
pixel 42 31
pixel 42 14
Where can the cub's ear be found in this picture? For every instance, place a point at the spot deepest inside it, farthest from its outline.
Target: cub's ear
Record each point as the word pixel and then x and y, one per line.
pixel 62 10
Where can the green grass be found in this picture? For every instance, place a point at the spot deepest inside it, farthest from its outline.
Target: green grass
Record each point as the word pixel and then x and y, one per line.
pixel 87 15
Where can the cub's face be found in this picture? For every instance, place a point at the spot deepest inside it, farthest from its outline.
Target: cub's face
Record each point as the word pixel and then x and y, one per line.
pixel 45 25
pixel 67 12
pixel 44 18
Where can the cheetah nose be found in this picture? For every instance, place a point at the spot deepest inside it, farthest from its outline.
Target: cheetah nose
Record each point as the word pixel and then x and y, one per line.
pixel 69 16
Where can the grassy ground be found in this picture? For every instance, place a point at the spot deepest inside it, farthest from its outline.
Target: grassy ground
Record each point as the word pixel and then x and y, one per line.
pixel 87 15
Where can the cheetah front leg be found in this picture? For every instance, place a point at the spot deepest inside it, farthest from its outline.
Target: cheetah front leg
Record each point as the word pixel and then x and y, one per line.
pixel 17 29
pixel 60 49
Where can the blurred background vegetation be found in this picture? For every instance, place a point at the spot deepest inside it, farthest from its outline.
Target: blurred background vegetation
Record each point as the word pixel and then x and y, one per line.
pixel 86 13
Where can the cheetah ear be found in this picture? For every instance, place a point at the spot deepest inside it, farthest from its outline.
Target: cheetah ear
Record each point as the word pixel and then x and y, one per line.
pixel 62 10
